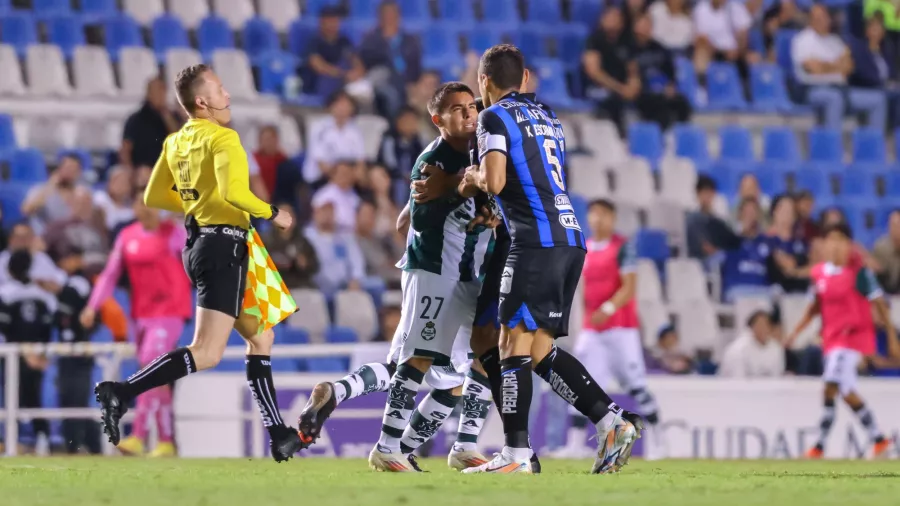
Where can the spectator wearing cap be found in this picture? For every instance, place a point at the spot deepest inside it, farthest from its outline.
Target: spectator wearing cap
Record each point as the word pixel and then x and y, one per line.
pixel 332 139
pixel 331 59
pixel 755 353
pixel 667 356
pixel 345 267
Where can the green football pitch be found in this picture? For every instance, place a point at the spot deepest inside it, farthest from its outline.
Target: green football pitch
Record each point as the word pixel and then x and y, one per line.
pixel 324 482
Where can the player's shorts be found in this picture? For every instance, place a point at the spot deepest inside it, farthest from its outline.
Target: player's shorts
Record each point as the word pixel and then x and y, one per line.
pixel 614 353
pixel 488 299
pixel 215 259
pixel 841 368
pixel 537 287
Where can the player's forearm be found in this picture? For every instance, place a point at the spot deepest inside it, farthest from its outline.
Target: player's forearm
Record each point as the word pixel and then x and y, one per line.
pixel 491 176
pixel 403 220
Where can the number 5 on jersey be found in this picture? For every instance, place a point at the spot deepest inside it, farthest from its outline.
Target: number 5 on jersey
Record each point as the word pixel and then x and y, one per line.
pixel 549 151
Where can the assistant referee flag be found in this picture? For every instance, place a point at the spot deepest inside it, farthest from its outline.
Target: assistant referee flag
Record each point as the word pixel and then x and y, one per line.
pixel 266 297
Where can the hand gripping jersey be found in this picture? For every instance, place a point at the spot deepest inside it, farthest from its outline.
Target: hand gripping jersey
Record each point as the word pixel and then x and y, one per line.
pixel 844 294
pixel 604 265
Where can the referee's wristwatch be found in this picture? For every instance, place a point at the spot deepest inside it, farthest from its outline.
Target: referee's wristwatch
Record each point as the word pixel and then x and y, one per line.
pixel 274 212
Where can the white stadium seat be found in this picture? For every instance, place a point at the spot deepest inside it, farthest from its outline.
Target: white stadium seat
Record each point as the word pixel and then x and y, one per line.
pixel 137 66
pixel 249 135
pixel 289 134
pixel 281 13
pixel 698 326
pixel 190 12
pixel 92 72
pixel 177 59
pixel 746 305
pixel 47 75
pixel 11 82
pixel 50 134
pixel 354 309
pixel 144 11
pixel 99 134
pixel 233 68
pixel 313 314
pixel 793 305
pixel 653 315
pixel 685 281
pixel 628 220
pixel 602 138
pixel 634 183
pixel 373 127
pixel 679 181
pixel 236 12
pixel 649 286
pixel 587 177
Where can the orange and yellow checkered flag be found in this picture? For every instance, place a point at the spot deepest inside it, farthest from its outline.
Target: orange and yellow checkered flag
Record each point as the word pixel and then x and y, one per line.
pixel 266 297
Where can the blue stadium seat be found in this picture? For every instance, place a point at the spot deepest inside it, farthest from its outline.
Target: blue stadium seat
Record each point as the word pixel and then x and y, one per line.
pixel 543 11
pixel 415 11
pixel 27 165
pixel 825 145
pixel 771 179
pixel 686 79
pixel 869 147
pixel 44 9
pixel 441 41
pixel 501 10
pixel 780 145
pixel 291 335
pixel 214 33
pixel 5 5
pixel 260 38
pixel 460 11
pixel 727 174
pixel 884 211
pixel 570 39
pixel 314 6
pixel 552 83
pixel 327 365
pixel 783 40
pixel 645 139
pixel 813 179
pixel 274 68
pixel 586 12
pixel 736 143
pixel 363 9
pixel 340 335
pixel 168 33
pixel 690 142
pixel 7 136
pixel 723 87
pixel 299 35
pixel 651 243
pixel 18 29
pixel 531 39
pixel 67 32
pixel 487 35
pixel 96 11
pixel 121 31
pixel 768 88
pixel 356 29
pixel 856 211
pixel 858 183
pixel 892 183
pixel 11 197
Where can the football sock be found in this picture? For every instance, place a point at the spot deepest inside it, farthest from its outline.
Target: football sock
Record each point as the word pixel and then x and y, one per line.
pixel 427 419
pixel 262 388
pixel 571 381
pixel 515 402
pixel 365 380
pixel 646 404
pixel 490 362
pixel 475 407
pixel 825 424
pixel 400 404
pixel 164 370
pixel 867 419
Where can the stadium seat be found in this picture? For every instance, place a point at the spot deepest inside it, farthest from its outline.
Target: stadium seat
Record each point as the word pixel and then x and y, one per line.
pixel 236 12
pixel 355 310
pixel 313 318
pixel 67 32
pixel 46 69
pixel 645 139
pixel 7 136
pixel 98 135
pixel 686 79
pixel 373 128
pixel 685 281
pixel 678 181
pixel 736 143
pixel 586 12
pixel 97 11
pixel 892 183
pixel 793 306
pixel 570 43
pixel 654 315
pixel 92 72
pixel 49 134
pixel 415 11
pixel 179 58
pixel 362 10
pixel 813 179
pixel 552 78
pixel 869 147
pixel 825 145
pixel 260 38
pixel 234 68
pixel 460 11
pixel 12 195
pixel 168 33
pixel 314 6
pixel 281 13
pixel 858 183
pixel 783 40
pixel 768 89
pixel 144 11
pixel 340 335
pixel 698 325
pixel 531 39
pixel 289 134
pixel 780 145
pixel 634 182
pixel 487 35
pixel 652 244
pixel 190 12
pixel 691 142
pixel 505 10
pixel 45 9
pixel 18 29
pixel 723 87
pixel 11 82
pixel 329 365
pixel 441 41
pixel 274 68
pixel 27 165
pixel 649 286
pixel 214 33
pixel 771 177
pixel 299 36
pixel 136 68
pixel 122 31
pixel 579 206
pixel 291 335
pixel 588 176
pixel 538 11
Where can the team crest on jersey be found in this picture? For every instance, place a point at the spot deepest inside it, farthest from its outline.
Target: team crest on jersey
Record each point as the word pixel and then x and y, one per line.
pixel 429 332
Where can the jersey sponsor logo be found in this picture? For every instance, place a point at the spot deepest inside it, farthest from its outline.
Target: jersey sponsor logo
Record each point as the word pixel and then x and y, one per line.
pixel 510 390
pixel 559 386
pixel 555 314
pixel 563 203
pixel 428 331
pixel 506 280
pixel 569 221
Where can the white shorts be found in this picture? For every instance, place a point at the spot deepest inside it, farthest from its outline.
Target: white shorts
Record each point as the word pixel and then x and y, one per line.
pixel 841 367
pixel 614 352
pixel 436 322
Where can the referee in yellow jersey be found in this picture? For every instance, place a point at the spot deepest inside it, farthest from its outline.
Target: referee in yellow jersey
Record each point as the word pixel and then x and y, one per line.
pixel 202 172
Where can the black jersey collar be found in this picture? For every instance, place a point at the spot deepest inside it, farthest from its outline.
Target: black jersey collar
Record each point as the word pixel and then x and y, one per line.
pixel 515 94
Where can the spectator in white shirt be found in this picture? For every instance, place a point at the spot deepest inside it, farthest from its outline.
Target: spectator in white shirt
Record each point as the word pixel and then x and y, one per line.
pixel 115 201
pixel 672 26
pixel 721 27
pixel 755 353
pixel 54 200
pixel 332 139
pixel 340 192
pixel 822 63
pixel 342 265
pixel 43 271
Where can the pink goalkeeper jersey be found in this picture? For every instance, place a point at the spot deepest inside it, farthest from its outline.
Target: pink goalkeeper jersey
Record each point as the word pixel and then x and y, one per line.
pixel 159 286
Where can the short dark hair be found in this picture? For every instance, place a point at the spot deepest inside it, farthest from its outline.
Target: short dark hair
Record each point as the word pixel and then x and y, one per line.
pixel 840 228
pixel 19 265
pixel 438 101
pixel 777 200
pixel 756 315
pixel 186 83
pixel 338 95
pixel 504 64
pixel 803 195
pixel 406 109
pixel 604 203
pixel 705 182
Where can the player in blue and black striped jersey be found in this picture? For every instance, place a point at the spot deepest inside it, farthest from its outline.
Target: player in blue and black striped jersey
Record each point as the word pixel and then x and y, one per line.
pixel 522 154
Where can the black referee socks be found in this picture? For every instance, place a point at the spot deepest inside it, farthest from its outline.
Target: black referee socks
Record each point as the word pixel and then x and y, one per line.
pixel 262 388
pixel 164 370
pixel 515 399
pixel 571 381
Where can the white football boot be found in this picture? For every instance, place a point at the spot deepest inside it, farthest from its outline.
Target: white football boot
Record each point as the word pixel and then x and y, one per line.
pixel 616 443
pixel 390 462
pixel 460 458
pixel 502 463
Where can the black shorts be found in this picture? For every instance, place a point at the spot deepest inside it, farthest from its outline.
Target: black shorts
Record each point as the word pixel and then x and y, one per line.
pixel 486 307
pixel 215 260
pixel 537 287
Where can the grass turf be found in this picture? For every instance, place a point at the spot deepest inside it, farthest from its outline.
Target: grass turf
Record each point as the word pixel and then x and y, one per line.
pixel 324 482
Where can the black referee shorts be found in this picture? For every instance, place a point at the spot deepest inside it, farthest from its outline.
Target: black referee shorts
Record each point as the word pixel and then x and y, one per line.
pixel 215 258
pixel 537 287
